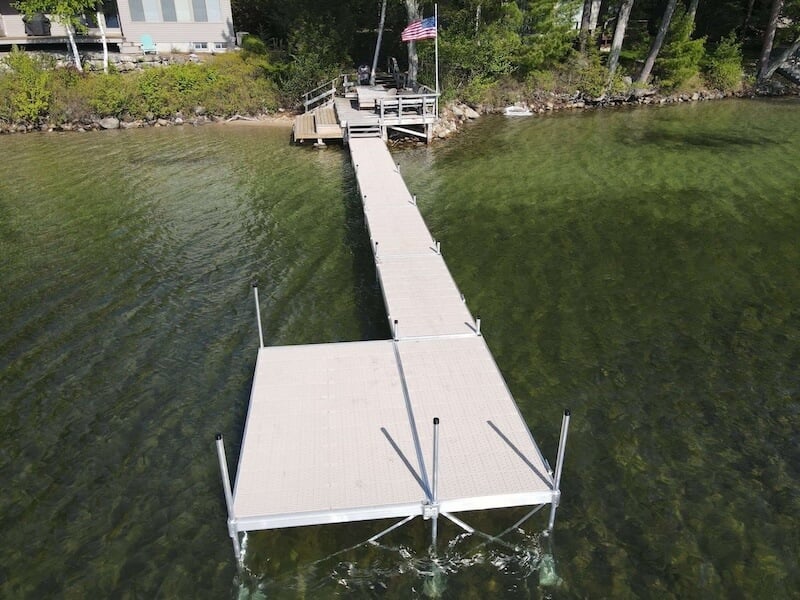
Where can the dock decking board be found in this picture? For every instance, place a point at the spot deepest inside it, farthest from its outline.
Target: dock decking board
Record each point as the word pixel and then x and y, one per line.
pixel 343 431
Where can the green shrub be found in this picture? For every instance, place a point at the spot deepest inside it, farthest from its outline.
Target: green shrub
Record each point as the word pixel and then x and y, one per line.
pixel 24 88
pixel 548 36
pixel 679 60
pixel 110 95
pixel 70 96
pixel 723 69
pixel 225 85
pixel 254 45
pixel 591 74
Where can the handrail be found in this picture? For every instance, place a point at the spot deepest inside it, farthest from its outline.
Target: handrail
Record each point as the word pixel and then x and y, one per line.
pixel 327 90
pixel 424 104
pixel 424 89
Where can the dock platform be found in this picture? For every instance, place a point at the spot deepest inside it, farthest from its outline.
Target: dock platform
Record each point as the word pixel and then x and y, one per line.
pixel 422 424
pixel 340 110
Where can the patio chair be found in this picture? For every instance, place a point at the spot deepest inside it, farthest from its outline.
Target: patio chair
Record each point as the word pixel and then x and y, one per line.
pixel 147 44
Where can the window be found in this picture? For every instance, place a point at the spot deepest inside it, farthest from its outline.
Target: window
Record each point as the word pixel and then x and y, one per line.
pixel 170 11
pixel 200 45
pixel 151 12
pixel 137 11
pixel 183 9
pixel 214 13
pixel 199 10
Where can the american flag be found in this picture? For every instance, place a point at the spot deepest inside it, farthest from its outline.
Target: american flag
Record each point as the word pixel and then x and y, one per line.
pixel 421 29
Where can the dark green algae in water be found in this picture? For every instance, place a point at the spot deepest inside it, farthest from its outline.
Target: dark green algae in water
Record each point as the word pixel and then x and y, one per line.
pixel 639 266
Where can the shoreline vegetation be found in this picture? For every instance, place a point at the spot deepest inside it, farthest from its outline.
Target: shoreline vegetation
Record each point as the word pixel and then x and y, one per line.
pixel 493 54
pixel 184 90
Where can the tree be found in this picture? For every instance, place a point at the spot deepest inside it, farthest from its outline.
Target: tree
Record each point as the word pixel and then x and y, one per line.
pixel 619 35
pixel 412 8
pixel 658 41
pixel 101 24
pixel 547 35
pixel 586 19
pixel 680 58
pixel 65 12
pixel 692 11
pixel 378 44
pixel 767 68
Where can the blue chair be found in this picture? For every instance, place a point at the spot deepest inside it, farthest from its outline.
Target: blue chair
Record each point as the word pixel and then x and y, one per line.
pixel 147 44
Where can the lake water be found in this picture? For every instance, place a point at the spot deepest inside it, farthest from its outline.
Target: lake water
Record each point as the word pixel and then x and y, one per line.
pixel 639 266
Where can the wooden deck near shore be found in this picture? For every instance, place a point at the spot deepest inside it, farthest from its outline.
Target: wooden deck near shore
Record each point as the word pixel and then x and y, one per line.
pixel 367 111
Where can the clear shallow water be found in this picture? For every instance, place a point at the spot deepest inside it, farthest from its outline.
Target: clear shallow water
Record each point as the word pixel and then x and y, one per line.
pixel 640 267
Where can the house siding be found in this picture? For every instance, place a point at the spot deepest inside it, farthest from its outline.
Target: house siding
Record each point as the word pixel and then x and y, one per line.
pixel 168 37
pixel 180 36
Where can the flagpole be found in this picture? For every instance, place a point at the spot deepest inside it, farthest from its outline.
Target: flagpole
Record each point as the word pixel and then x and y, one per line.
pixel 436 45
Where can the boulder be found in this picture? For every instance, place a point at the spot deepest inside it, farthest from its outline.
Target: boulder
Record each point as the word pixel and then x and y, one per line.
pixel 470 113
pixel 109 123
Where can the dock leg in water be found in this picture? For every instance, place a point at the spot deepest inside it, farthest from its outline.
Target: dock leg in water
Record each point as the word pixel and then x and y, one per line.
pixel 226 486
pixel 562 446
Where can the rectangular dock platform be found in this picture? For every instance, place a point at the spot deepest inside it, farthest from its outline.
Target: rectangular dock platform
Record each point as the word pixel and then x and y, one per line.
pixel 345 431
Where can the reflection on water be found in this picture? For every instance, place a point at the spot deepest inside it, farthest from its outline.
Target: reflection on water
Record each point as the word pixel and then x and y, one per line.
pixel 639 266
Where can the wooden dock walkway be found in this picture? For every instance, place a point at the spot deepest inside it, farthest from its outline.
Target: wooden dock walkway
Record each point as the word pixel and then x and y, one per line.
pixel 345 432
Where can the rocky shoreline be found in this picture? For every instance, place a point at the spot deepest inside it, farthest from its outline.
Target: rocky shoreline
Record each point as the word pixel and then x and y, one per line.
pixel 177 120
pixel 454 115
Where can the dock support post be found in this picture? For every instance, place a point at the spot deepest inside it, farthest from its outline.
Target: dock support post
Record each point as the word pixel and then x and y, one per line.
pixel 226 486
pixel 395 332
pixel 435 483
pixel 562 446
pixel 438 247
pixel 478 325
pixel 258 315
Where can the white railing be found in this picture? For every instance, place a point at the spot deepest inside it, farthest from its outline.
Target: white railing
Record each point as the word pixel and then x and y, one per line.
pixel 423 104
pixel 326 91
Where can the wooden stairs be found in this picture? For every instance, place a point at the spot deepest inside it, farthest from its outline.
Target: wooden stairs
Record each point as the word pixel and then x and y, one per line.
pixel 318 124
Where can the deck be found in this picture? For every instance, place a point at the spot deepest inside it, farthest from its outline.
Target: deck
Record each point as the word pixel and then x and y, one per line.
pixel 344 431
pixel 366 111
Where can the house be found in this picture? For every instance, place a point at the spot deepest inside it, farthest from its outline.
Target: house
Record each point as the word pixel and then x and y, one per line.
pixel 172 25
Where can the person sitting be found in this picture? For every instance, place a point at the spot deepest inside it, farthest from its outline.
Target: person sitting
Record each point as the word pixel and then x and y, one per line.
pixel 363 75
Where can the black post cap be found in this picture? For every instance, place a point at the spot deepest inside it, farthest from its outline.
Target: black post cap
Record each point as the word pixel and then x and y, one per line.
pixel 219 436
pixel 254 283
pixel 435 420
pixel 566 412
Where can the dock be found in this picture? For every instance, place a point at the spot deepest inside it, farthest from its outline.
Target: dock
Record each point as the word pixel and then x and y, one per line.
pixel 341 110
pixel 419 425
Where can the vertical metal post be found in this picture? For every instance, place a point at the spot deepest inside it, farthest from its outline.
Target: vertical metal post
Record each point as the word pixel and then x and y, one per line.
pixel 562 447
pixel 226 486
pixel 438 247
pixel 435 483
pixel 395 332
pixel 436 47
pixel 478 325
pixel 414 200
pixel 258 314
